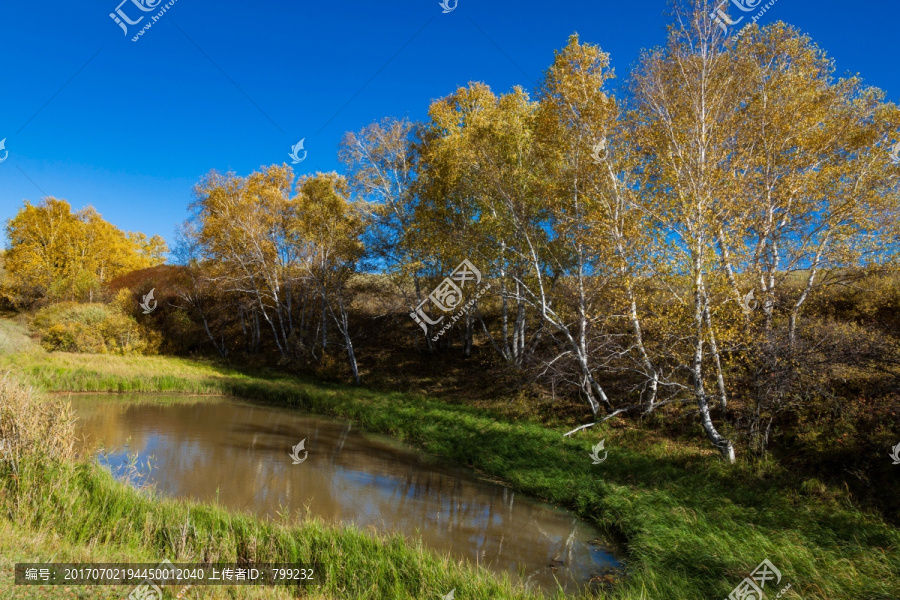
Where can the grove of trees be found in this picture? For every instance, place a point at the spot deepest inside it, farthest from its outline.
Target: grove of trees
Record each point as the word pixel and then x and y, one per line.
pixel 651 249
pixel 55 254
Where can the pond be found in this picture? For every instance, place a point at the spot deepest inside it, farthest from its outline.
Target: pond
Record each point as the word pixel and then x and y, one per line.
pixel 238 454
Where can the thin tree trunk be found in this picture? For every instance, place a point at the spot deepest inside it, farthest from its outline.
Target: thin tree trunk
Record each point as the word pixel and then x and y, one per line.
pixel 724 445
pixel 351 354
pixel 519 338
pixel 324 324
pixel 470 330
pixel 645 358
pixel 714 349
pixel 795 311
pixel 504 311
pixel 429 345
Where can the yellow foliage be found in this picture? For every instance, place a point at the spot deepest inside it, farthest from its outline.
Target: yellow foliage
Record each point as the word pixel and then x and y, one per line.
pixel 96 328
pixel 56 254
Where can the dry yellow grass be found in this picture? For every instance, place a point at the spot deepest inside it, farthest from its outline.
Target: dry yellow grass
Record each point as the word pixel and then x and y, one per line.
pixel 32 427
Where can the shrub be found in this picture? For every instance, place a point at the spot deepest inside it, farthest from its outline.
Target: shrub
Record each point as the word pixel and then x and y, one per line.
pixel 100 328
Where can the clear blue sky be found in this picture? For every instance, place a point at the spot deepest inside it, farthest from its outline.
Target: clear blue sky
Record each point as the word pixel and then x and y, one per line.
pixel 129 127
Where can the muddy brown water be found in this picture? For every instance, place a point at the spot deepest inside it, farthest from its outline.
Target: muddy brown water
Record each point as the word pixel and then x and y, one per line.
pixel 238 454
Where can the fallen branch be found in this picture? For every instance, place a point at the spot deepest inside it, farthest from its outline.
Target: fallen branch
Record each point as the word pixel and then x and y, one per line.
pixel 604 419
pixel 579 429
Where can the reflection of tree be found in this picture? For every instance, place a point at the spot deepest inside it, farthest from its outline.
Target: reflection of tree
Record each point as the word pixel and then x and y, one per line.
pixel 240 453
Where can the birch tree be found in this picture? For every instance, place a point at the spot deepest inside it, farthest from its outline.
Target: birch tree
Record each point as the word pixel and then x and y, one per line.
pixel 811 200
pixel 687 100
pixel 449 220
pixel 328 234
pixel 575 116
pixel 479 189
pixel 245 226
pixel 381 161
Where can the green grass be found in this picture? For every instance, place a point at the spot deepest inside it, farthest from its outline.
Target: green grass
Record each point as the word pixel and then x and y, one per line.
pixel 86 507
pixel 693 527
pixel 19 544
pixel 64 371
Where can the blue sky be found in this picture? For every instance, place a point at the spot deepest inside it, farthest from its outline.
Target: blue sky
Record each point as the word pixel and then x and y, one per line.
pixel 129 127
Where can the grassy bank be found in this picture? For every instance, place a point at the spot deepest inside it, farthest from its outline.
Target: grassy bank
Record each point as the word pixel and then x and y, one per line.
pixel 55 508
pixel 693 527
pixel 20 544
pixel 84 507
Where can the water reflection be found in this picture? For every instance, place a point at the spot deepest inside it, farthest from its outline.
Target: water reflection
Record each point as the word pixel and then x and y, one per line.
pixel 240 454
